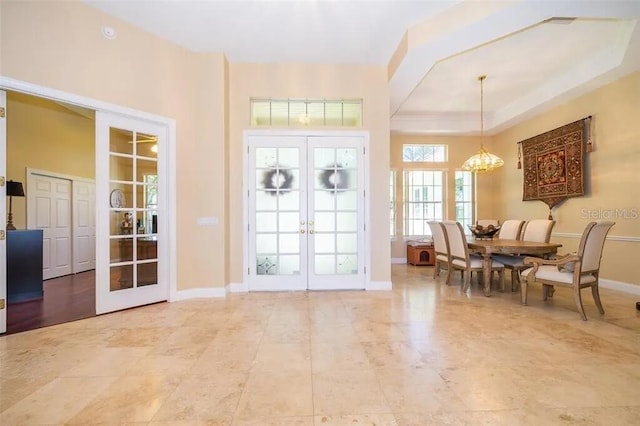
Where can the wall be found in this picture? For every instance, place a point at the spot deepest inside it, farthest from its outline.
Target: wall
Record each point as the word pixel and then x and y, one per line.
pixel 59 45
pixel 459 149
pixel 611 171
pixel 44 135
pixel 314 81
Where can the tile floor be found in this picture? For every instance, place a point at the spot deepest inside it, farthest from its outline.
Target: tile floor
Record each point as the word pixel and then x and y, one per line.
pixel 422 354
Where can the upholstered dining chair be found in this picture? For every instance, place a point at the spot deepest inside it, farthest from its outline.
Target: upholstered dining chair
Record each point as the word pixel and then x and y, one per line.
pixel 537 230
pixel 578 270
pixel 440 249
pixel 462 260
pixel 511 229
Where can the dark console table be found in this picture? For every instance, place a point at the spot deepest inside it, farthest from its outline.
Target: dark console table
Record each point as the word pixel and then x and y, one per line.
pixel 24 265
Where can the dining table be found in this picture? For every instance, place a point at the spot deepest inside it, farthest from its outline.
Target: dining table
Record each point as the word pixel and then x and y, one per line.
pixel 487 247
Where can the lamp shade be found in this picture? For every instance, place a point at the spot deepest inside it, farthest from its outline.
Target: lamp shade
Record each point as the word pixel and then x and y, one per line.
pixel 14 189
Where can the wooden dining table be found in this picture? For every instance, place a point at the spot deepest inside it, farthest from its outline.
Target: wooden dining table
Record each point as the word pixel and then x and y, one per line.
pixel 486 248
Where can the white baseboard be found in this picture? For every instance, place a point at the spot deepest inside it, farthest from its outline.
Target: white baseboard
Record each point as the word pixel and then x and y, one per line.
pixel 194 293
pixel 620 286
pixel 398 260
pixel 378 286
pixel 237 288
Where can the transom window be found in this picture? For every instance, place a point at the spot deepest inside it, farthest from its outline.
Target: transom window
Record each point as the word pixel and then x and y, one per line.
pixel 423 200
pixel 424 153
pixel 306 113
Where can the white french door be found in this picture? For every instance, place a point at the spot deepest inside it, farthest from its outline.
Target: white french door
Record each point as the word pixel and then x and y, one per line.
pixel 132 199
pixel 305 212
pixel 3 205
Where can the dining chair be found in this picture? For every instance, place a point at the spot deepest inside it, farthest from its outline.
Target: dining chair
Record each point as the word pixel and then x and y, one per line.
pixel 440 249
pixel 576 270
pixel 462 260
pixel 536 230
pixel 511 229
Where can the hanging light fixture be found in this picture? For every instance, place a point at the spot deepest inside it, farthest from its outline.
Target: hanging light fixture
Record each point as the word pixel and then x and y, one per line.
pixel 483 161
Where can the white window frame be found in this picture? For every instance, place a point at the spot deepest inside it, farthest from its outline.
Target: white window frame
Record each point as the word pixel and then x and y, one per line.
pixel 393 203
pixel 408 205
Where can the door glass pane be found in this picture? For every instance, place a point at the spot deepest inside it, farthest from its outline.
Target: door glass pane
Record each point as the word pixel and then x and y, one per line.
pixel 324 222
pixel 289 200
pixel 145 168
pixel 346 221
pixel 266 201
pixel 290 222
pixel 267 265
pixel 289 265
pixel 325 243
pixel 147 273
pixel 347 264
pixel 289 243
pixel 121 141
pixel 347 243
pixel 121 277
pixel 325 264
pixel 266 222
pixel 324 200
pixel 267 243
pixel 347 200
pixel 121 168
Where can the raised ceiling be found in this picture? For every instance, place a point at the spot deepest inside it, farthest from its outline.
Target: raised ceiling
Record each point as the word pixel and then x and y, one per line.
pixel 536 54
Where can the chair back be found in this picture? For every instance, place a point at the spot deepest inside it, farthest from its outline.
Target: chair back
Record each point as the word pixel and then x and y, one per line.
pixel 592 243
pixel 486 222
pixel 457 240
pixel 440 241
pixel 538 230
pixel 511 229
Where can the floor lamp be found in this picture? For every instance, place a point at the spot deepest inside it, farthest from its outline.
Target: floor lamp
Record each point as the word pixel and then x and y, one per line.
pixel 14 189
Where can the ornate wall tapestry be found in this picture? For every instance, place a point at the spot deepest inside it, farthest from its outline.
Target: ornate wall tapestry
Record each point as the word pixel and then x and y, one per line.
pixel 554 164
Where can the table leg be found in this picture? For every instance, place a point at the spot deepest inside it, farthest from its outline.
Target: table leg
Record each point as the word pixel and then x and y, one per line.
pixel 486 273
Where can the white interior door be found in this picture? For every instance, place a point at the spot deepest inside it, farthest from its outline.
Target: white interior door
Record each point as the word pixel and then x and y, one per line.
pixel 84 226
pixel 131 236
pixel 305 213
pixel 3 205
pixel 52 214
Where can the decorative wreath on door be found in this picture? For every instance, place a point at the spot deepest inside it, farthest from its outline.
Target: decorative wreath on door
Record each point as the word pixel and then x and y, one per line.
pixel 334 178
pixel 279 179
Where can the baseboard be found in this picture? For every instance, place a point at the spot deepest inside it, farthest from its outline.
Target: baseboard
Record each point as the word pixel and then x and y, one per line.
pixel 620 286
pixel 398 260
pixel 378 286
pixel 195 293
pixel 237 288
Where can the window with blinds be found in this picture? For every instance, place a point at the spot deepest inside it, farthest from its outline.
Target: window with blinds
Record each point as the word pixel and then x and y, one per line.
pixel 306 113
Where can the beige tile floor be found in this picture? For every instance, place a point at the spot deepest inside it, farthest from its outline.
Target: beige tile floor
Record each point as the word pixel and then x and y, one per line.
pixel 422 354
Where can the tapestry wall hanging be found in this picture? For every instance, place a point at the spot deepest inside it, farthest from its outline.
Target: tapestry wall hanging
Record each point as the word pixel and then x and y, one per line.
pixel 554 164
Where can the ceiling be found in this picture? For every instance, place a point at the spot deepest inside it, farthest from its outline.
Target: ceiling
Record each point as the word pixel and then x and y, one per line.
pixel 536 54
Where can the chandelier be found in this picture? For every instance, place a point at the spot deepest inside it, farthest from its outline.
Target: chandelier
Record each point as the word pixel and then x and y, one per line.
pixel 483 161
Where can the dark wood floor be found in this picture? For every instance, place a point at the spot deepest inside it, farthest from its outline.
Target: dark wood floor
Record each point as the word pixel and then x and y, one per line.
pixel 67 298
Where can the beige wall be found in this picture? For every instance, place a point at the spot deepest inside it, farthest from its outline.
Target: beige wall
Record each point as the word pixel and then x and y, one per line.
pixel 314 81
pixel 459 149
pixel 612 172
pixel 60 45
pixel 44 135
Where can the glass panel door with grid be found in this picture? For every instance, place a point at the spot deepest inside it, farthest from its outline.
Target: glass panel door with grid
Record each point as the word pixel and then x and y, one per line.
pixel 306 221
pixel 128 274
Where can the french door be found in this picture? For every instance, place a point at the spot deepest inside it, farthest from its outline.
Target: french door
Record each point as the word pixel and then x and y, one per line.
pixel 305 212
pixel 132 197
pixel 3 201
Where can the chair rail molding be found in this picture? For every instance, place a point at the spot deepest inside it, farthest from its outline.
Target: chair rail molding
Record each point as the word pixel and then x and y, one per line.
pixel 609 237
